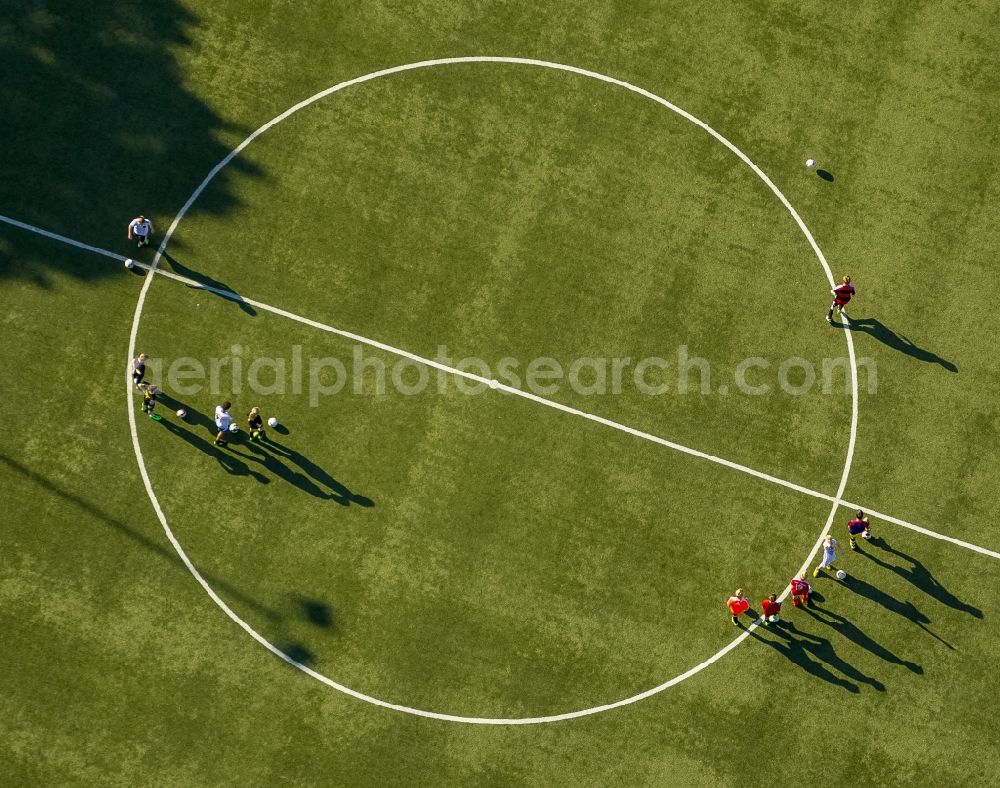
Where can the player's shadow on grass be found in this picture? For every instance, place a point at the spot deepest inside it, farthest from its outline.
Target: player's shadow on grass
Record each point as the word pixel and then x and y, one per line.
pixel 149 544
pixel 855 634
pixel 214 286
pixel 921 577
pixel 310 477
pixel 815 655
pixel 314 475
pixel 277 468
pixel 907 610
pixel 875 328
pixel 230 463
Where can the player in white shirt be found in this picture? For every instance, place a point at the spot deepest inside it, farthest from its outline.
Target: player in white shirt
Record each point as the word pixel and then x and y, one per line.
pixel 222 421
pixel 139 368
pixel 140 227
pixel 830 546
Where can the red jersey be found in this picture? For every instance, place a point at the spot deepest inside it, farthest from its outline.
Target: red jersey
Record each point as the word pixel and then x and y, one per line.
pixel 738 605
pixel 856 526
pixel 770 608
pixel 800 587
pixel 842 294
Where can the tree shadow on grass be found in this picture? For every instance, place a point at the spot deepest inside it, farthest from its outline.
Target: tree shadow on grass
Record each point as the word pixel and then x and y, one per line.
pixel 98 125
pixel 921 577
pixel 856 635
pixel 907 610
pixel 299 653
pixel 875 328
pixel 154 547
pixel 317 613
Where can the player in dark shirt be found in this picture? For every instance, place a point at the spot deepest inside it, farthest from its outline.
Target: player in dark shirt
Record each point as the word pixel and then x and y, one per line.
pixel 859 525
pixel 842 295
pixel 255 424
pixel 148 398
pixel 139 369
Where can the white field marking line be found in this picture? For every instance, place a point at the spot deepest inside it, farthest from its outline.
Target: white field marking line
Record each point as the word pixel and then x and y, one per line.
pixel 324 679
pixel 232 296
pixel 235 151
pixel 445 61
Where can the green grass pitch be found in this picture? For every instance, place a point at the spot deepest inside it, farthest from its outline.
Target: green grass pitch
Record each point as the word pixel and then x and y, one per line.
pixel 482 555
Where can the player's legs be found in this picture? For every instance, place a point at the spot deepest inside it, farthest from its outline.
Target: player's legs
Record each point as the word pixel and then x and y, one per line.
pixel 827 563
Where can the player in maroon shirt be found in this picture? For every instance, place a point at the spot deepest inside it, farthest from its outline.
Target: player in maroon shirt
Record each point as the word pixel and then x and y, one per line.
pixel 842 295
pixel 771 607
pixel 859 525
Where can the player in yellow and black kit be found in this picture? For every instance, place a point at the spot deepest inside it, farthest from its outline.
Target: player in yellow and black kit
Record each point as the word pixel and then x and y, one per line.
pixel 255 424
pixel 149 393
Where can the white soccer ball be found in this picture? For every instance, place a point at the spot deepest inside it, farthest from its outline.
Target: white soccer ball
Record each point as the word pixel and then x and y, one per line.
pixel 841 574
pixel 129 262
pixel 810 163
pixel 494 384
pixel 234 427
pixel 181 413
pixel 272 422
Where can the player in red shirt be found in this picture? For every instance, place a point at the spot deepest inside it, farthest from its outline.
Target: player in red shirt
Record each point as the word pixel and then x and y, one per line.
pixel 842 295
pixel 771 607
pixel 738 605
pixel 800 590
pixel 859 525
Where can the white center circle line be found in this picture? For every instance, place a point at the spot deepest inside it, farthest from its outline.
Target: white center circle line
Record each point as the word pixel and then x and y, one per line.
pixel 305 668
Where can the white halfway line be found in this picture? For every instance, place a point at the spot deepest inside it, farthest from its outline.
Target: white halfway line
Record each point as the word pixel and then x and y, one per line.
pixel 232 296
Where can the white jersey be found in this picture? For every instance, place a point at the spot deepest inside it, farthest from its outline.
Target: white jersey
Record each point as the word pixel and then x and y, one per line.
pixel 140 227
pixel 222 418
